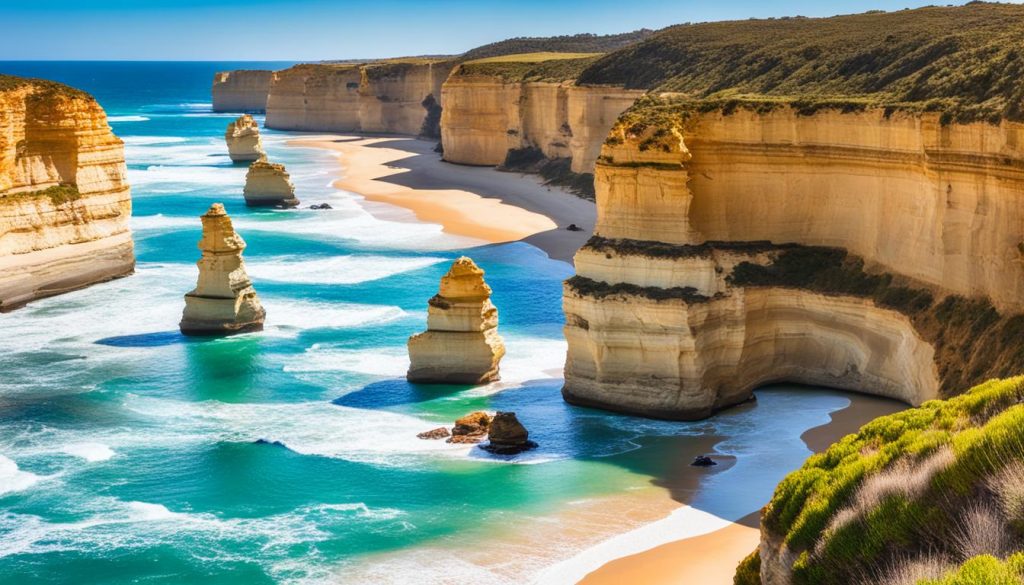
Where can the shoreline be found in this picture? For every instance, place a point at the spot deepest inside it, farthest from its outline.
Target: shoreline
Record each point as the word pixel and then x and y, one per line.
pixel 476 202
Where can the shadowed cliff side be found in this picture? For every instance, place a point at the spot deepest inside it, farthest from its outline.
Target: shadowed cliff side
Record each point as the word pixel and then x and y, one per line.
pixel 64 199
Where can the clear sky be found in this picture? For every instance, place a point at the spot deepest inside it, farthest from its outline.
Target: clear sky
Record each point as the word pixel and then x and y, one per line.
pixel 343 29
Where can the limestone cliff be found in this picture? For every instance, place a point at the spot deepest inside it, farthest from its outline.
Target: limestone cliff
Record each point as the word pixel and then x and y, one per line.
pixel 243 140
pixel 461 344
pixel 399 97
pixel 64 198
pixel 268 184
pixel 224 301
pixel 241 91
pixel 879 251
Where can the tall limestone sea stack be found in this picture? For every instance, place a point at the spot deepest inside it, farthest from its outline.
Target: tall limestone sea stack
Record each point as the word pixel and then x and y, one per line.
pixel 243 138
pixel 64 196
pixel 268 184
pixel 224 301
pixel 461 344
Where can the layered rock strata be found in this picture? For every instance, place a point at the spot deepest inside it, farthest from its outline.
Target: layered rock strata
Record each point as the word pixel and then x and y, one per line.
pixel 268 184
pixel 461 344
pixel 397 98
pixel 64 196
pixel 761 245
pixel 241 91
pixel 224 301
pixel 243 140
pixel 486 117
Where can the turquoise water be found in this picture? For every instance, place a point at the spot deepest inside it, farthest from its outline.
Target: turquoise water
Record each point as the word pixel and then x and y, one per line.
pixel 131 454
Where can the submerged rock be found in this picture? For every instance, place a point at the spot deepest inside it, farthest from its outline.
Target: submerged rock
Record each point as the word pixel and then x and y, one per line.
pixel 507 436
pixel 703 461
pixel 268 184
pixel 320 206
pixel 461 344
pixel 243 138
pixel 224 301
pixel 471 428
pixel 438 433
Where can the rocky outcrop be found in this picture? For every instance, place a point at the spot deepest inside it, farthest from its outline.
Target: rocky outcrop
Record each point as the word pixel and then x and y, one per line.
pixel 243 139
pixel 224 301
pixel 471 429
pixel 268 184
pixel 241 91
pixel 507 436
pixel 486 117
pixel 398 98
pixel 461 344
pixel 64 198
pixel 760 245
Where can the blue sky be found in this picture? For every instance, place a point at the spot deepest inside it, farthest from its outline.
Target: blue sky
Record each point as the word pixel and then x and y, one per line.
pixel 341 29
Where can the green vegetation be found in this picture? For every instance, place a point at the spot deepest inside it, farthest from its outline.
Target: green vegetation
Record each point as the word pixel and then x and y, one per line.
pixel 582 43
pixel 984 570
pixel 749 570
pixel 532 68
pixel 913 485
pixel 965 62
pixel 44 87
pixel 58 194
pixel 592 288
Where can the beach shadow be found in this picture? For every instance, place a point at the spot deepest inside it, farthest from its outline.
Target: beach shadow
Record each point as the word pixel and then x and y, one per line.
pixel 395 392
pixel 158 339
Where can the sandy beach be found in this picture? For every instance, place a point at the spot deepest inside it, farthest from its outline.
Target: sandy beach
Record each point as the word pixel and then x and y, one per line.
pixel 476 202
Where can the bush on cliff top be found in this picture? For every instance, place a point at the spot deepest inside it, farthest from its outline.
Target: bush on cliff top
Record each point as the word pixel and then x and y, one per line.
pixel 43 86
pixel 906 486
pixel 529 69
pixel 965 61
pixel 582 43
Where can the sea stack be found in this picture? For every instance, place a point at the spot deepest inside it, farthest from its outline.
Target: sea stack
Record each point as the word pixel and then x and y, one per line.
pixel 243 138
pixel 224 301
pixel 268 184
pixel 461 344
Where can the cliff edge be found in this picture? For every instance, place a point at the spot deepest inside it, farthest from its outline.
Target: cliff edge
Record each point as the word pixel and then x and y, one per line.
pixel 64 198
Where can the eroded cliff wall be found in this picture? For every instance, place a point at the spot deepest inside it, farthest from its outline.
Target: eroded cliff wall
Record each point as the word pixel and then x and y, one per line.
pixel 875 251
pixel 64 199
pixel 399 98
pixel 244 90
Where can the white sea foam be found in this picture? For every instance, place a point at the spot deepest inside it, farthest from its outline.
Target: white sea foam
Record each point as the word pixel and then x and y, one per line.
pixel 127 119
pixel 163 222
pixel 192 177
pixel 151 140
pixel 292 314
pixel 91 452
pixel 13 479
pixel 389 362
pixel 178 154
pixel 349 269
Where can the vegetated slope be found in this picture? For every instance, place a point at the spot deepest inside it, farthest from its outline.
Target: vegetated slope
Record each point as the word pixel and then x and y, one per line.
pixel 530 66
pixel 930 495
pixel 968 59
pixel 581 43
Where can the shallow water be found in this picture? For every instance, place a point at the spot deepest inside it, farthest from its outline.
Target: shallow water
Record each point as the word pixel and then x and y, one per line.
pixel 129 453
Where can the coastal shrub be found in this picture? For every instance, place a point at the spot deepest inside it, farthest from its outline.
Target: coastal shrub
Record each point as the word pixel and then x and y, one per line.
pixel 58 194
pixel 983 570
pixel 749 570
pixel 1008 487
pixel 584 286
pixel 909 492
pixel 582 43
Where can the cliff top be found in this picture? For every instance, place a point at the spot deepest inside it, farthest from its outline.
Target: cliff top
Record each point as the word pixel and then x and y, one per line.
pixel 530 66
pixel 967 57
pixel 581 43
pixel 42 86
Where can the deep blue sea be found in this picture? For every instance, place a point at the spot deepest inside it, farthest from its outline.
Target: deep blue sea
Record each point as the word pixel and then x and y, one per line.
pixel 129 454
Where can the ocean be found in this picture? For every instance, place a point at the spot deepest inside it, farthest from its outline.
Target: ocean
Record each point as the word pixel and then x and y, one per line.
pixel 130 454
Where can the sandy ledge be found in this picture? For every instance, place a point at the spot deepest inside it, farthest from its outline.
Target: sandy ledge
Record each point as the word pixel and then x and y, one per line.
pixel 476 202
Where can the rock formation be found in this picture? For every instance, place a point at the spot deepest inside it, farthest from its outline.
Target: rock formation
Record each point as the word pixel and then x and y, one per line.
pixel 507 436
pixel 471 428
pixel 461 344
pixel 268 184
pixel 738 248
pixel 224 301
pixel 64 198
pixel 241 91
pixel 398 97
pixel 243 138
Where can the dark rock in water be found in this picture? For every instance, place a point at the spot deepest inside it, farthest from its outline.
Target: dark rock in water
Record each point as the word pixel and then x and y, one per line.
pixel 507 436
pixel 438 433
pixel 266 442
pixel 574 228
pixel 703 461
pixel 320 206
pixel 471 428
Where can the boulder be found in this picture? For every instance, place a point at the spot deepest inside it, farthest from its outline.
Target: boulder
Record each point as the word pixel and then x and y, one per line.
pixel 507 436
pixel 224 301
pixel 438 433
pixel 703 461
pixel 471 428
pixel 461 344
pixel 268 184
pixel 243 138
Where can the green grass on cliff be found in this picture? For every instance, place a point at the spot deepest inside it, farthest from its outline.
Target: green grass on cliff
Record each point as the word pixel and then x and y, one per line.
pixel 58 194
pixel 582 43
pixel 967 61
pixel 44 87
pixel 530 67
pixel 906 486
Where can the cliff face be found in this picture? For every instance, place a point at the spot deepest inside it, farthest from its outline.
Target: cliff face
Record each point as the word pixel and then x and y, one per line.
pixel 748 247
pixel 241 91
pixel 64 199
pixel 393 98
pixel 487 116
